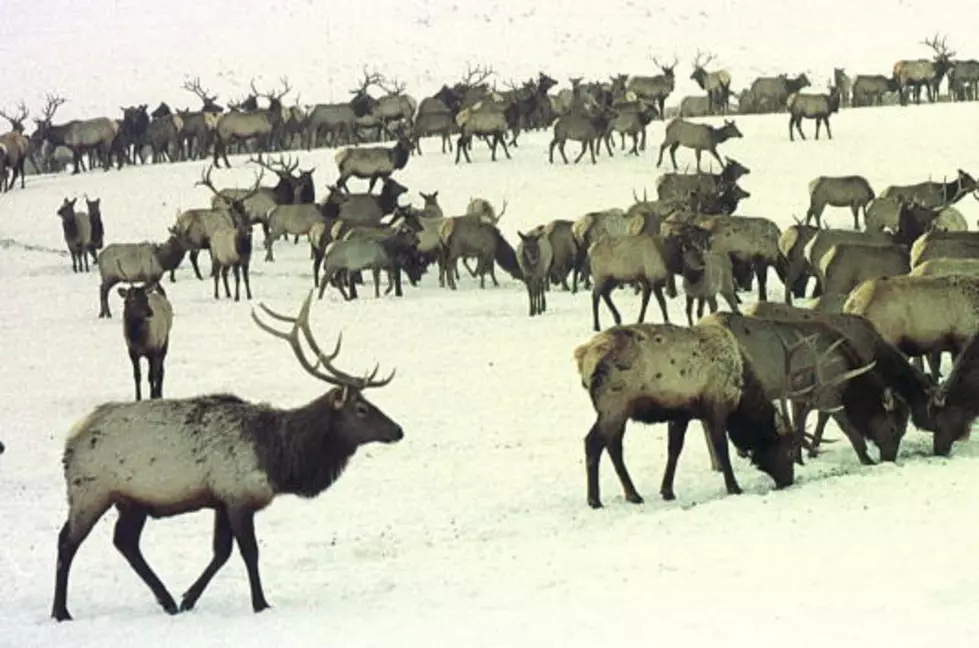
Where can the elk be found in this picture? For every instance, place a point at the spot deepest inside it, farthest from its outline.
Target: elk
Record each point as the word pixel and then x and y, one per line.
pixel 138 262
pixel 672 186
pixel 375 253
pixel 803 105
pixel 695 106
pixel 615 261
pixel 793 266
pixel 869 89
pixel 716 84
pixel 842 81
pixel 579 127
pixel 564 249
pixel 655 89
pixel 963 80
pixel 486 119
pixel 433 118
pixel 934 194
pixel 77 230
pixel 96 227
pixel 777 90
pixel 198 127
pixel 904 385
pixel 372 163
pixel 395 106
pixel 699 137
pixel 662 372
pixel 751 242
pixel 218 452
pixel 471 237
pixel 839 191
pixel 706 274
pixel 914 74
pixel 240 126
pixel 147 318
pixel 953 404
pixel 938 245
pixel 368 208
pixel 79 137
pixel 629 118
pixel 535 256
pixel 290 189
pixel 920 315
pixel 840 379
pixel 14 148
pixel 847 265
pixel 300 220
pixel 945 267
pixel 231 246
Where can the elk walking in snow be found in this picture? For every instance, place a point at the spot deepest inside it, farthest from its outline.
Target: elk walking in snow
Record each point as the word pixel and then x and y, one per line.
pixel 166 457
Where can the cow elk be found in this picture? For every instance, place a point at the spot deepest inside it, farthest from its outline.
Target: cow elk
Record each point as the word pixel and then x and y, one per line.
pixel 699 137
pixel 535 256
pixel 812 106
pixel 147 318
pixel 839 191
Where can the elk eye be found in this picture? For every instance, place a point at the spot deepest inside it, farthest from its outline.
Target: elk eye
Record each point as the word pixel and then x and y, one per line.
pixel 360 409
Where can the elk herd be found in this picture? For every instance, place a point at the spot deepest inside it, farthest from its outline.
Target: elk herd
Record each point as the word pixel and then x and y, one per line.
pixel 899 287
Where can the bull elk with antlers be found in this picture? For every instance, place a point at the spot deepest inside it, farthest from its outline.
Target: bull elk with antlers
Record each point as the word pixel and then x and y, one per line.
pixel 240 126
pixel 717 84
pixel 916 73
pixel 78 136
pixel 166 457
pixel 14 148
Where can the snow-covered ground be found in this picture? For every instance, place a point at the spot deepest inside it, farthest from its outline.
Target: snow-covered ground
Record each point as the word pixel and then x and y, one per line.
pixel 474 530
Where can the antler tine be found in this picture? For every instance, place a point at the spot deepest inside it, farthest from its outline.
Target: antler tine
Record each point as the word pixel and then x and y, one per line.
pixel 205 180
pixel 502 211
pixel 255 92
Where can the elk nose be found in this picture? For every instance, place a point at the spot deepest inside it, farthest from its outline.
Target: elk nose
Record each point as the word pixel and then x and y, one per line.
pixel 397 435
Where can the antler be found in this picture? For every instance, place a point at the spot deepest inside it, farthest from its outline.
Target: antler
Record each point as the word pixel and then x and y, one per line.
pixel 284 168
pixel 194 85
pixel 397 86
pixel 331 375
pixel 657 63
pixel 476 75
pixel 938 46
pixel 272 96
pixel 22 114
pixel 51 104
pixel 205 180
pixel 702 59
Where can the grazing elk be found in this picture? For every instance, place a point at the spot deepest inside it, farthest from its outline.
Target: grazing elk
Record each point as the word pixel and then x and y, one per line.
pixel 147 318
pixel 914 74
pixel 238 126
pixel 468 237
pixel 655 89
pixel 839 191
pixel 662 372
pixel 138 262
pixel 699 137
pixel 372 163
pixel 952 407
pixel 77 230
pixel 535 256
pixel 14 148
pixel 614 261
pixel 162 458
pixel 716 84
pixel 812 106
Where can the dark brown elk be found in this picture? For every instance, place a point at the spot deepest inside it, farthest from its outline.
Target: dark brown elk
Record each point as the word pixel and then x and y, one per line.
pixel 699 137
pixel 77 230
pixel 656 373
pixel 162 458
pixel 535 256
pixel 812 106
pixel 776 90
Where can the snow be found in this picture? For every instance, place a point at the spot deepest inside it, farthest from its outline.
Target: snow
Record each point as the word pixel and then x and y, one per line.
pixel 474 530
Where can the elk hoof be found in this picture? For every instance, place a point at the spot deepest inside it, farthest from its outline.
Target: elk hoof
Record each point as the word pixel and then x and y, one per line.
pixel 634 498
pixel 668 495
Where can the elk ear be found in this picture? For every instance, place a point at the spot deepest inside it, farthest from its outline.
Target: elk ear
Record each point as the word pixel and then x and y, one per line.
pixel 523 237
pixel 338 397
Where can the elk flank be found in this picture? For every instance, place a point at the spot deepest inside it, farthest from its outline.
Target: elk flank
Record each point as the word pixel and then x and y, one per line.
pixel 945 266
pixel 846 265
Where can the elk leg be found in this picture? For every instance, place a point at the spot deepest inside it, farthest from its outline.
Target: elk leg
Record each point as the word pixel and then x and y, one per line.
pixel 193 262
pixel 646 292
pixel 72 535
pixel 677 433
pixel 673 147
pixel 137 375
pixel 104 299
pixel 608 146
pixel 718 437
pixel 243 529
pixel 584 147
pixel 594 446
pixel 855 209
pixel 614 447
pixel 717 157
pixel 819 123
pixel 506 151
pixel 662 148
pixel 530 298
pixel 829 133
pixel 129 527
pixel 550 151
pixel 221 547
pixel 761 271
pixel 560 148
pixel 224 278
pixel 791 125
pixel 156 375
pixel 689 310
pixel 857 440
pixel 237 272
pixel 822 418
pixel 601 291
pixel 696 153
pixel 658 292
pixel 935 364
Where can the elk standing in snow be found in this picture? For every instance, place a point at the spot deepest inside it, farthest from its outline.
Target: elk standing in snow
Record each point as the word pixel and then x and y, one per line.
pixel 146 320
pixel 699 137
pixel 662 372
pixel 167 457
pixel 77 230
pixel 812 106
pixel 615 261
pixel 372 163
pixel 231 246
pixel 534 254
pixel 716 84
pixel 133 262
pixel 839 191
